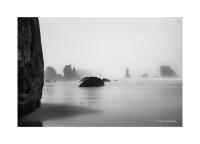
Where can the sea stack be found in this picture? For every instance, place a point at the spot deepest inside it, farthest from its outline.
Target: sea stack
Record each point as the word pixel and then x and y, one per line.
pixel 127 74
pixel 70 74
pixel 166 71
pixel 50 73
pixel 30 66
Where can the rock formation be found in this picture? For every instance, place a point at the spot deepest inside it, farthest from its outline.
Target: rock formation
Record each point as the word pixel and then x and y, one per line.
pixel 166 71
pixel 92 82
pixel 127 74
pixel 50 73
pixel 30 65
pixel 70 74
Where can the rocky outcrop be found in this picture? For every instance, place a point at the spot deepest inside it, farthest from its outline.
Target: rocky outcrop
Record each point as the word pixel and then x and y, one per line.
pixel 106 80
pixel 70 74
pixel 50 73
pixel 92 82
pixel 166 71
pixel 127 74
pixel 30 65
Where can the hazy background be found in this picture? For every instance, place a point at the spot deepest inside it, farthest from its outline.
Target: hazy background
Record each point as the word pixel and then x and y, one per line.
pixel 106 46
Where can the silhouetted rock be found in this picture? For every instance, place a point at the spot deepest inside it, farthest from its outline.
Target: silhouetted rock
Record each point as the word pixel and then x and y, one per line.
pixel 145 75
pixel 30 66
pixel 50 73
pixel 70 74
pixel 166 71
pixel 106 80
pixel 92 82
pixel 83 79
pixel 127 74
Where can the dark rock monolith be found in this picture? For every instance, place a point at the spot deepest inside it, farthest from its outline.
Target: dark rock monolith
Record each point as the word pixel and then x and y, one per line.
pixel 30 66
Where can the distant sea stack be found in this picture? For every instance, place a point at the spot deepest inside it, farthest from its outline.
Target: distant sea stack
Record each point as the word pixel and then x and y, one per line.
pixel 30 66
pixel 127 74
pixel 166 71
pixel 70 74
pixel 51 75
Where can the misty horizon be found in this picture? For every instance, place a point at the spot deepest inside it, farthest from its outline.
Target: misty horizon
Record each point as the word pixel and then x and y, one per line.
pixel 105 47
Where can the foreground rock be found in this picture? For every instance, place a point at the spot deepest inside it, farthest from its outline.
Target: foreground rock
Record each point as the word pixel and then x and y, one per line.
pixel 92 82
pixel 106 80
pixel 30 66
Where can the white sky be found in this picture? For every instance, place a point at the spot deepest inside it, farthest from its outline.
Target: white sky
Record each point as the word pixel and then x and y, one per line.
pixel 106 46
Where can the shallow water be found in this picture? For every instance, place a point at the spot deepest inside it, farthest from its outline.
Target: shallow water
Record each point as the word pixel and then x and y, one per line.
pixel 137 102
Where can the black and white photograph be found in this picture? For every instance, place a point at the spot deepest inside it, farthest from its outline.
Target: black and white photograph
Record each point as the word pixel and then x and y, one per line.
pixel 99 71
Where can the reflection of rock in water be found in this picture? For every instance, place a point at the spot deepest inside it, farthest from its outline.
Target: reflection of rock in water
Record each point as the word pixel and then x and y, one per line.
pixel 93 95
pixel 166 71
pixel 70 74
pixel 127 74
pixel 49 112
pixel 50 91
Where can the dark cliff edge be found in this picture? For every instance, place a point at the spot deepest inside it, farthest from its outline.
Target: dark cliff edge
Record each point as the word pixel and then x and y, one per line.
pixel 30 66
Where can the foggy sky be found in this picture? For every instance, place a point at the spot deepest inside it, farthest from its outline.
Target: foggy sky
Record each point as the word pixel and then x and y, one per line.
pixel 107 46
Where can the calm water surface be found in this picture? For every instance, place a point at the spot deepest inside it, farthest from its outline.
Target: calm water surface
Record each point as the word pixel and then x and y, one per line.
pixel 137 102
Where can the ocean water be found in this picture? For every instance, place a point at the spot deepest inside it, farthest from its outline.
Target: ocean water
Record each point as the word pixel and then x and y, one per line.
pixel 134 102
